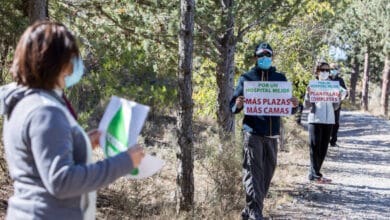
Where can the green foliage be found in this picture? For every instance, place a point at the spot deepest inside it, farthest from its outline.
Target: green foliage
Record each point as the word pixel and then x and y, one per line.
pixel 205 93
pixel 12 23
pixel 365 24
pixel 297 46
pixel 129 48
pixel 295 28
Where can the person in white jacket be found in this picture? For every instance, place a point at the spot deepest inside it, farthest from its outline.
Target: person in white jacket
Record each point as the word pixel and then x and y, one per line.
pixel 320 121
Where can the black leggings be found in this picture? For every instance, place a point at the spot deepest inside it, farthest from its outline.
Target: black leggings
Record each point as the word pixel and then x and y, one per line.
pixel 335 127
pixel 319 135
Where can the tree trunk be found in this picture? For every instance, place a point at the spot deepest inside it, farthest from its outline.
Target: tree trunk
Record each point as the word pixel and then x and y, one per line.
pixel 37 10
pixel 354 77
pixel 3 60
pixel 225 82
pixel 225 72
pixel 385 87
pixel 185 176
pixel 366 80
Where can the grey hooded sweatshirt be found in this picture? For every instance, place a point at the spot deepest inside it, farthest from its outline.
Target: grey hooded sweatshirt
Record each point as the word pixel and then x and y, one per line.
pixel 49 158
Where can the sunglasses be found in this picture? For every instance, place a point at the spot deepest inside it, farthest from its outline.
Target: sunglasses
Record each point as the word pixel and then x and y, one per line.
pixel 264 55
pixel 324 70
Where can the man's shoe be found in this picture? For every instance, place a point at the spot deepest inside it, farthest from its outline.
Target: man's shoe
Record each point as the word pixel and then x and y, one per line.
pixel 334 145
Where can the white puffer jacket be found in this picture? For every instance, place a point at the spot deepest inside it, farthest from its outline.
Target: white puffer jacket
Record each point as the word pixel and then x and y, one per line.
pixel 321 112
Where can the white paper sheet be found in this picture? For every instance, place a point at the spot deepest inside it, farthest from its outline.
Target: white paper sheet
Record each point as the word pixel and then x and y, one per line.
pixel 131 116
pixel 149 166
pixel 343 93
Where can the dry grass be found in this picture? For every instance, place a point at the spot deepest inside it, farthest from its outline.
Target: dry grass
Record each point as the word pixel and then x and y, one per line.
pixel 218 191
pixel 374 105
pixel 289 168
pixel 218 187
pixel 217 174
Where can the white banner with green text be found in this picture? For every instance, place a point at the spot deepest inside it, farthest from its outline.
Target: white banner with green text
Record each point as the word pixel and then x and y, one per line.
pixel 324 91
pixel 267 98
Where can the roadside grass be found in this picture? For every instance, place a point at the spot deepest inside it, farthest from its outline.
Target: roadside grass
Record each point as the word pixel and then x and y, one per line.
pixel 217 175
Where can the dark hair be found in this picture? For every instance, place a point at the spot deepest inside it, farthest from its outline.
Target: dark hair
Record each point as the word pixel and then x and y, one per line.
pixel 319 65
pixel 44 49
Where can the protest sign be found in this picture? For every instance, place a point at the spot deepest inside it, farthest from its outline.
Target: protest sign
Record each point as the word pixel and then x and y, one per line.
pixel 267 98
pixel 324 91
pixel 344 93
pixel 121 125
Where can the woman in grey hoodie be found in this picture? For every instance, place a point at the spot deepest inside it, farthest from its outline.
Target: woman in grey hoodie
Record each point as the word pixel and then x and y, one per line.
pixel 48 153
pixel 320 121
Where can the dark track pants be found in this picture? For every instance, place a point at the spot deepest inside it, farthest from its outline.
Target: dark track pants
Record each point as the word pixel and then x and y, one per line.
pixel 335 127
pixel 258 168
pixel 319 135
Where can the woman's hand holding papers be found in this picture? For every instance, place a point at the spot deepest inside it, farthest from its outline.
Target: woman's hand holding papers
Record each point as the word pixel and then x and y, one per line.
pixel 136 154
pixel 94 136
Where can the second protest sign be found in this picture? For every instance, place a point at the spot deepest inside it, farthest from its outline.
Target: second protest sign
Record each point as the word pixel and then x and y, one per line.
pixel 267 98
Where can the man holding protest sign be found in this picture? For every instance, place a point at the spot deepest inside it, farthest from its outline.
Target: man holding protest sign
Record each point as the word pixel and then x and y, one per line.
pixel 267 96
pixel 323 98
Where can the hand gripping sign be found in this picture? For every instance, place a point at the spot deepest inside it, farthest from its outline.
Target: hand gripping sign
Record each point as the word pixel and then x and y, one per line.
pixel 121 125
pixel 267 98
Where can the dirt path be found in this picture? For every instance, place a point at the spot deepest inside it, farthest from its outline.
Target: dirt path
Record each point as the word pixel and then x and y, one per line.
pixel 360 170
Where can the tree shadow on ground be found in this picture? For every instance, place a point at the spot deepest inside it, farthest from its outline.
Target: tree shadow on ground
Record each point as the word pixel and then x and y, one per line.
pixel 350 170
pixel 365 148
pixel 353 156
pixel 322 202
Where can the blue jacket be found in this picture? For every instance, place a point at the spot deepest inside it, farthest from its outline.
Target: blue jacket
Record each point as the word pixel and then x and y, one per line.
pixel 260 125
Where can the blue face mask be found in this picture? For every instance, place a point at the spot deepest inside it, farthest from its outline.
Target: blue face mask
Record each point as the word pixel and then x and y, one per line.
pixel 333 72
pixel 78 71
pixel 264 63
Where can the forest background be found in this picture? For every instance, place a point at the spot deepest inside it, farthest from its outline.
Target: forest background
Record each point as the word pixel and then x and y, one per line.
pixel 134 49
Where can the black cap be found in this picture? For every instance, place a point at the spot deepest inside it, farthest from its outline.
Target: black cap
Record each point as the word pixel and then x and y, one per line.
pixel 263 47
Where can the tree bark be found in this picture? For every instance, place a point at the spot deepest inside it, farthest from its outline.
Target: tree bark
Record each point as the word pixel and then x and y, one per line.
pixel 225 82
pixel 185 176
pixel 225 71
pixel 366 80
pixel 385 87
pixel 3 60
pixel 354 77
pixel 37 10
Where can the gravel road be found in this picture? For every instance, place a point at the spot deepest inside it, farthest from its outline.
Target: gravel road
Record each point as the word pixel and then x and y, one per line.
pixel 360 170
